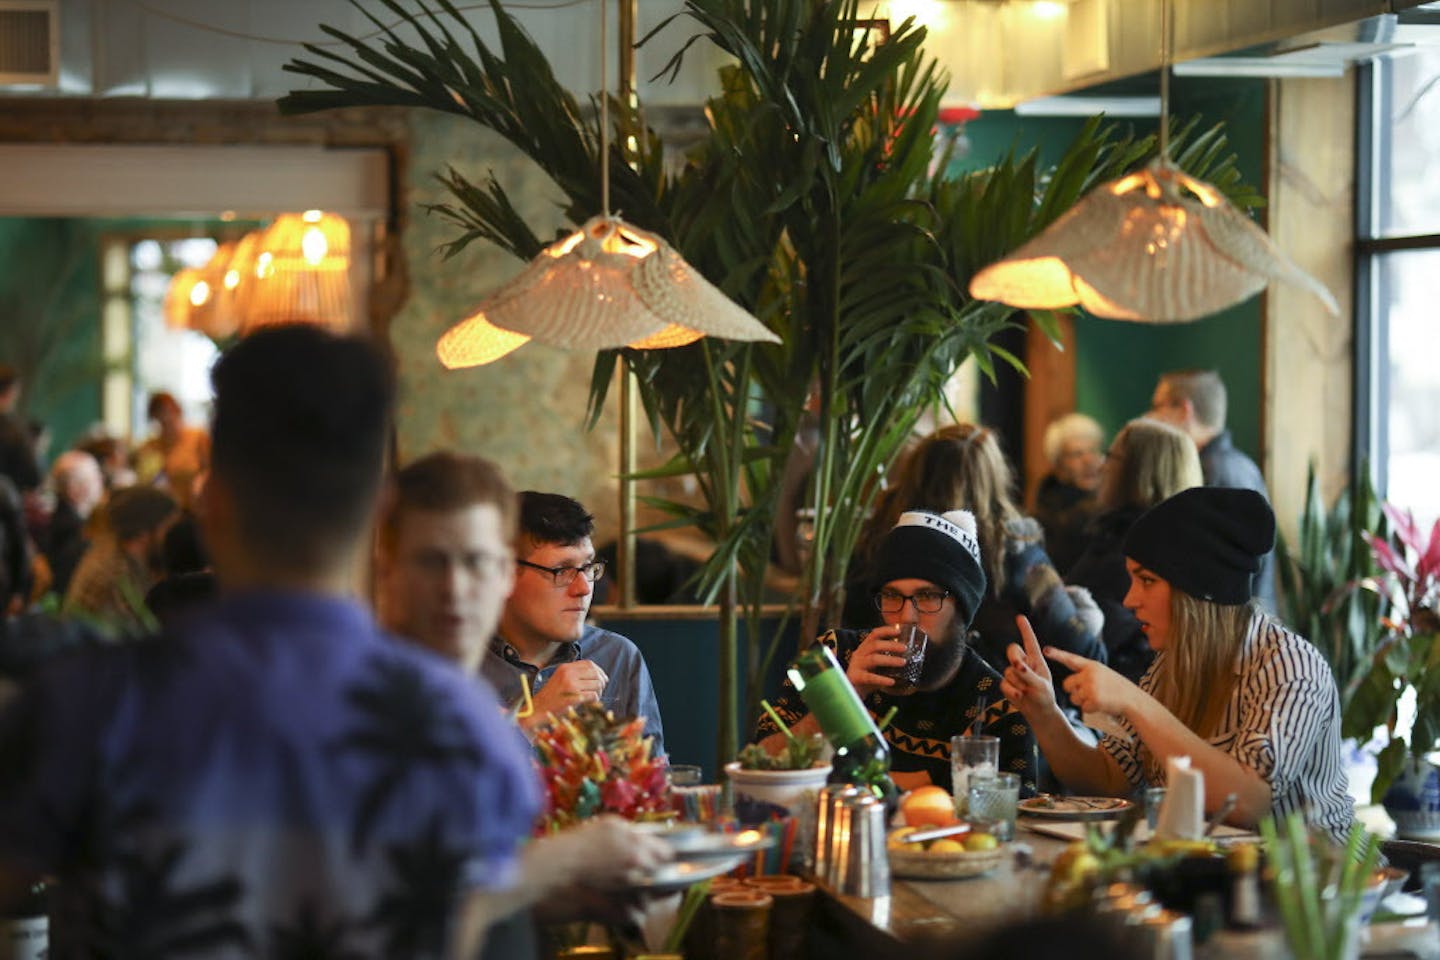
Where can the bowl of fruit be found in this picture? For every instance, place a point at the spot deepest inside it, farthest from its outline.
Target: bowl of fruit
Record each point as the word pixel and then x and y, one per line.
pixel 934 844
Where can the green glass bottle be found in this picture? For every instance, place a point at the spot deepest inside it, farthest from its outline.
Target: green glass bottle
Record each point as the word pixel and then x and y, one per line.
pixel 861 754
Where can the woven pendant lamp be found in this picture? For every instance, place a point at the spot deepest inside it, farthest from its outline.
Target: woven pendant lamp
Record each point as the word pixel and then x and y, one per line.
pixel 186 296
pixel 300 273
pixel 1156 246
pixel 609 284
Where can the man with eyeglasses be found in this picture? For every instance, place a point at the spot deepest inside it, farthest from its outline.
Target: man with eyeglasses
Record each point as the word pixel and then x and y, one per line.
pixel 445 562
pixel 445 565
pixel 928 572
pixel 543 634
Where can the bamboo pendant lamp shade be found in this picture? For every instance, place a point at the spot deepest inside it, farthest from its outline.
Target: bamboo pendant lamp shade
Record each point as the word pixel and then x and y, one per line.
pixel 298 271
pixel 1156 246
pixel 608 285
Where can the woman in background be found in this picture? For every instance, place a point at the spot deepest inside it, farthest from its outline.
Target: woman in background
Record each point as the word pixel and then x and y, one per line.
pixel 1149 461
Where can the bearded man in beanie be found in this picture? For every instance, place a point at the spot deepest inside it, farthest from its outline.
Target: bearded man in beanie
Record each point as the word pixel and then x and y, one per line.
pixel 1253 705
pixel 928 572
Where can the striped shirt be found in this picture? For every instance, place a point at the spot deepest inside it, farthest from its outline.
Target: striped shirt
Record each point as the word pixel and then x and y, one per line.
pixel 1282 721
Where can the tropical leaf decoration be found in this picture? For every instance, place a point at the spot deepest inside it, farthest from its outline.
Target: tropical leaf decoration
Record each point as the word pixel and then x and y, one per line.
pixel 821 201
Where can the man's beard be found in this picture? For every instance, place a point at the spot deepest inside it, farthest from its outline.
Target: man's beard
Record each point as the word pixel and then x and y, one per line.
pixel 942 660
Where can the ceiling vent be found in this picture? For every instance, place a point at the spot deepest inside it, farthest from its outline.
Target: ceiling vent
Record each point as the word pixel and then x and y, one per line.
pixel 29 43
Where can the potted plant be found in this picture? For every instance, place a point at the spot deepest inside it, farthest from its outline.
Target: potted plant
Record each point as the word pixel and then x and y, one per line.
pixel 820 200
pixel 1403 677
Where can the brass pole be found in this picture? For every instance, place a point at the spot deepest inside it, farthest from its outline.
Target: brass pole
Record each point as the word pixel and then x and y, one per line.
pixel 629 398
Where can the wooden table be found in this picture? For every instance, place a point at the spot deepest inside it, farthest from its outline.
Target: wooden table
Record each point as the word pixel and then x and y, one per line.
pixel 920 910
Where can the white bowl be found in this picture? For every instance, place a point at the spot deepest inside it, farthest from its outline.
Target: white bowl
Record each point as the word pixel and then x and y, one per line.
pixel 1416 824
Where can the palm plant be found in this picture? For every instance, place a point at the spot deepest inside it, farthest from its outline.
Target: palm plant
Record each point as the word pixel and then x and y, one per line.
pixel 816 202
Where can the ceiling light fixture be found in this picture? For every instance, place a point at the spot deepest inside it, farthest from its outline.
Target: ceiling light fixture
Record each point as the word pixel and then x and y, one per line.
pixel 1156 246
pixel 607 285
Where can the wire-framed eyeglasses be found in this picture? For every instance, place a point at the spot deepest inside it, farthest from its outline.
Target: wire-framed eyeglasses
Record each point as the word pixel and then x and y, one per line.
pixel 924 601
pixel 564 576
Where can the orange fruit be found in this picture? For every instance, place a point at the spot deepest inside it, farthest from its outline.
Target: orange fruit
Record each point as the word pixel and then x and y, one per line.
pixel 928 806
pixel 946 845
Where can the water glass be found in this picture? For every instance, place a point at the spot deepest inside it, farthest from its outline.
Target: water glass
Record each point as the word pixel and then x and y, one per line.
pixel 993 801
pixel 969 756
pixel 685 774
pixel 1154 797
pixel 907 676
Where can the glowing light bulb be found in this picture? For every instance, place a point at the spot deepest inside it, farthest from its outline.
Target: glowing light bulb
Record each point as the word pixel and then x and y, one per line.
pixel 313 246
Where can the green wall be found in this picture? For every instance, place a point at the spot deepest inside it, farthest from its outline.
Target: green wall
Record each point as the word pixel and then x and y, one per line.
pixel 50 320
pixel 1117 362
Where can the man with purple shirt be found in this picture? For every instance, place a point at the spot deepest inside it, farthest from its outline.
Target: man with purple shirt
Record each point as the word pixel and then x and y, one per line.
pixel 274 775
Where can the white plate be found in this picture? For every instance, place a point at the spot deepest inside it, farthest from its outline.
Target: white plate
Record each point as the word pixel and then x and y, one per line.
pixel 1075 808
pixel 703 857
pixel 679 874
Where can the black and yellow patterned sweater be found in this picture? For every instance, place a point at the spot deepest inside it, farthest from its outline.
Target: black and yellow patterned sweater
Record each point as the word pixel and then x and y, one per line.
pixel 919 735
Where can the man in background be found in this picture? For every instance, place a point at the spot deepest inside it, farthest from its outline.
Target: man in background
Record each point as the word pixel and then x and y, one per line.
pixel 444 567
pixel 79 486
pixel 1065 501
pixel 1195 401
pixel 276 768
pixel 543 634
pixel 446 559
pixel 17 443
pixel 124 561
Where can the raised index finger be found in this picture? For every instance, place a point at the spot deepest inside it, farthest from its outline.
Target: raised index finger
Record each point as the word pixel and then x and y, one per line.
pixel 1067 659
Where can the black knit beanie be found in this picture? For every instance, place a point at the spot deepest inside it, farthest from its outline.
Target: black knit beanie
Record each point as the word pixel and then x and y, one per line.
pixel 941 549
pixel 1205 541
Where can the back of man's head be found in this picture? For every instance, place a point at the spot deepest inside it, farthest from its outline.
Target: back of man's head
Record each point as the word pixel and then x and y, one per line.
pixel 1205 391
pixel 553 518
pixel 446 482
pixel 302 418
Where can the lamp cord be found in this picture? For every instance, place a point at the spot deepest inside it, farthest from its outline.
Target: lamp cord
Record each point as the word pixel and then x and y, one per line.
pixel 1165 54
pixel 604 113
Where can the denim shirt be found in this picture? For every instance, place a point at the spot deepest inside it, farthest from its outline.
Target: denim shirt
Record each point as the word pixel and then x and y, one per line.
pixel 628 694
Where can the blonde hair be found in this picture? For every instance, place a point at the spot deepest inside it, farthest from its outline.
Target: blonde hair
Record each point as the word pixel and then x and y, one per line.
pixel 959 467
pixel 1195 676
pixel 1149 461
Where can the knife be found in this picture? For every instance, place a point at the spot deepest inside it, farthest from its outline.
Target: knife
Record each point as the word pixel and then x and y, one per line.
pixel 920 836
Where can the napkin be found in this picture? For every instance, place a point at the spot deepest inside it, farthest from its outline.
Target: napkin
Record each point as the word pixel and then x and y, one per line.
pixel 1182 812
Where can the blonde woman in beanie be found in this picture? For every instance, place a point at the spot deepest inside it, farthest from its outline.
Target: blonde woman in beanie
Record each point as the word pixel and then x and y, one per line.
pixel 1252 704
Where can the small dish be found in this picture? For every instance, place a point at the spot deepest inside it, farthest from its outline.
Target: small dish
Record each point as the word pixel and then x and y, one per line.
pixel 1075 808
pixel 928 865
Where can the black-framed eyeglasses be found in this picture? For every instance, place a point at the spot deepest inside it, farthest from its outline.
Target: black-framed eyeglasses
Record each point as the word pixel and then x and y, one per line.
pixel 564 576
pixel 924 601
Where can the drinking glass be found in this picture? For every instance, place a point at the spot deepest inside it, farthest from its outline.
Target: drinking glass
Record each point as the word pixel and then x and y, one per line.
pixel 916 641
pixel 993 802
pixel 969 756
pixel 1154 797
pixel 685 774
